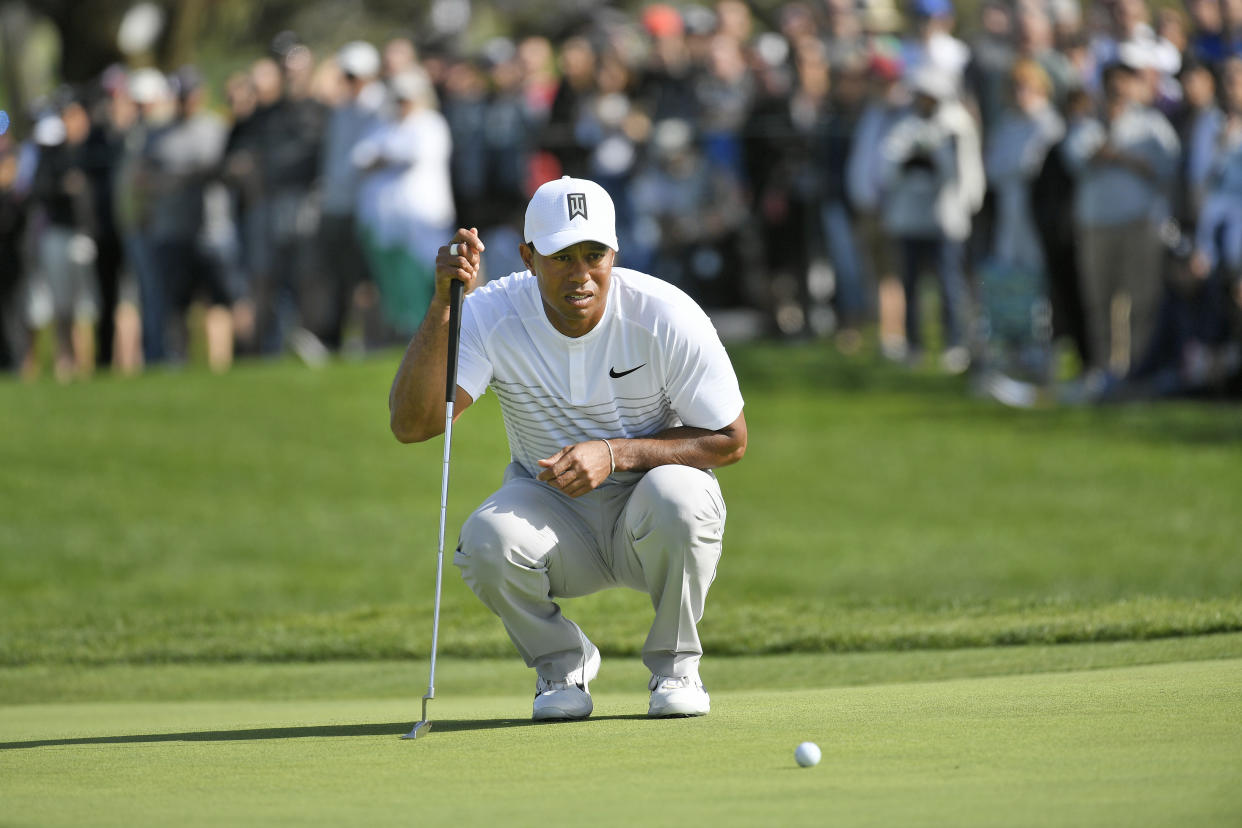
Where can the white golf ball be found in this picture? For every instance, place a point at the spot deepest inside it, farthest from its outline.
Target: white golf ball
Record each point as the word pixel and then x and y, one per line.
pixel 807 754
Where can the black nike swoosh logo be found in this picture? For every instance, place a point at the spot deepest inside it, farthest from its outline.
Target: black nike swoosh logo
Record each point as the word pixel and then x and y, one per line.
pixel 612 372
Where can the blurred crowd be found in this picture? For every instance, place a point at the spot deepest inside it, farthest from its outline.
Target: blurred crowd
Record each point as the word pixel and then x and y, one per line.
pixel 1067 182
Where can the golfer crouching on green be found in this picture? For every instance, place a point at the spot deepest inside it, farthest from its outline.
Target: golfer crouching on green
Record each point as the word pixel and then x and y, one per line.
pixel 618 401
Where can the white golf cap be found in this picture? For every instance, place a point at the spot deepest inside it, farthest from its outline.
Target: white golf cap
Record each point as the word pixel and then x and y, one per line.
pixel 148 86
pixel 49 131
pixel 359 58
pixel 931 81
pixel 568 210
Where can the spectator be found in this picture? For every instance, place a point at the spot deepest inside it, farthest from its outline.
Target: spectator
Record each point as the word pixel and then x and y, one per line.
pixel 290 141
pixel 183 156
pixel 932 157
pixel 844 37
pixel 1198 123
pixel 1219 239
pixel 724 94
pixel 1052 201
pixel 251 96
pixel 577 88
pixel 1216 296
pixel 344 265
pixel 735 21
pixel 1016 152
pixel 1207 41
pixel 864 178
pixel 778 120
pixel 12 264
pixel 1130 39
pixel 539 81
pixel 465 110
pixel 780 136
pixel 1014 291
pixel 511 123
pixel 100 157
pixel 65 251
pixel 150 93
pixel 399 56
pixel 992 55
pixel 406 199
pixel 693 215
pixel 1035 41
pixel 666 87
pixel 854 302
pixel 1124 167
pixel 933 45
pixel 612 127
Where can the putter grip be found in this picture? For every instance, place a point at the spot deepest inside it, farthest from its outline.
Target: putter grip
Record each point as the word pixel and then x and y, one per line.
pixel 456 288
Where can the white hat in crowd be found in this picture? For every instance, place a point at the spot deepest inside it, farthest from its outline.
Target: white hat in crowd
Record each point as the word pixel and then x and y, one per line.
pixel 49 131
pixel 359 58
pixel 931 81
pixel 567 211
pixel 413 85
pixel 148 86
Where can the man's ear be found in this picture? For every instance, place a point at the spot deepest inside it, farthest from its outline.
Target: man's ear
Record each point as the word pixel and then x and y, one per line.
pixel 528 256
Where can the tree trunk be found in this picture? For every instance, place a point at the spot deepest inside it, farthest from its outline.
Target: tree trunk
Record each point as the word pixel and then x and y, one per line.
pixel 187 21
pixel 87 35
pixel 14 25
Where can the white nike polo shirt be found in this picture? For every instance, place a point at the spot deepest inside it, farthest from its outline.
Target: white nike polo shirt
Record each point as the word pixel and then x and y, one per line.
pixel 654 361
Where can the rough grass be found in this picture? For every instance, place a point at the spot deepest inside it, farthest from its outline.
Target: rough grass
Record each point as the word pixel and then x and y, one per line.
pixel 268 515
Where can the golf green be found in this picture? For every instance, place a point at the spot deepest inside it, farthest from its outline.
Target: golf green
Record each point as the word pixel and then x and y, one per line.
pixel 1155 744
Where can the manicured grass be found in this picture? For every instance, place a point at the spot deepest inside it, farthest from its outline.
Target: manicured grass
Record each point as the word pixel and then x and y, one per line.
pixel 331 680
pixel 215 601
pixel 1147 745
pixel 269 515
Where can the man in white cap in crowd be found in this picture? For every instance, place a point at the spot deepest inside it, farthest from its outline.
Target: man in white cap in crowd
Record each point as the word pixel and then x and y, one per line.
pixel 618 400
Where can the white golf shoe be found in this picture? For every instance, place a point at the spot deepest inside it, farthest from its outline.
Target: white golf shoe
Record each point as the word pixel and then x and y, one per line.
pixel 678 696
pixel 569 698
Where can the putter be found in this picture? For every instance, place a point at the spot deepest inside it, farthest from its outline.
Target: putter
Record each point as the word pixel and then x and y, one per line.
pixel 450 396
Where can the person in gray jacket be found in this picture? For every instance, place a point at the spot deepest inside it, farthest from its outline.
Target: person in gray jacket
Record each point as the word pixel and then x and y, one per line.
pixel 1125 164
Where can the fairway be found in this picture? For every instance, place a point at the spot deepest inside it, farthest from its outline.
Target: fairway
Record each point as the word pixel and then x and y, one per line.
pixel 216 592
pixel 1140 745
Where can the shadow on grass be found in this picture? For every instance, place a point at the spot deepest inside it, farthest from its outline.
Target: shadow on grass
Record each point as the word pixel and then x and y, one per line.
pixel 305 732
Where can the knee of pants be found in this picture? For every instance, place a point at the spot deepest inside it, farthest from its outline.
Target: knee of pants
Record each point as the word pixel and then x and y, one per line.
pixel 495 546
pixel 680 503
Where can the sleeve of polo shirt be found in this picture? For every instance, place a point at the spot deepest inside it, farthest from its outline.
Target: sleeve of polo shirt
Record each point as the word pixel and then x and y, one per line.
pixel 474 369
pixel 701 383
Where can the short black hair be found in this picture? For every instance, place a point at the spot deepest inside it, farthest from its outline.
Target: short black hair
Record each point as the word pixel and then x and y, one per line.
pixel 1114 68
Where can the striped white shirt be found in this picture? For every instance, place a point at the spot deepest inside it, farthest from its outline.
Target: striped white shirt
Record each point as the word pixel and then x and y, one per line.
pixel 654 361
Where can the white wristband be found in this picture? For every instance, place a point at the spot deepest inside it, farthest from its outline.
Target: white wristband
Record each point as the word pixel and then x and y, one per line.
pixel 612 458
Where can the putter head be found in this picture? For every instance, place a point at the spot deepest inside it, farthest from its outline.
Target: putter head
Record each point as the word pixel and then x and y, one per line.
pixel 424 724
pixel 419 727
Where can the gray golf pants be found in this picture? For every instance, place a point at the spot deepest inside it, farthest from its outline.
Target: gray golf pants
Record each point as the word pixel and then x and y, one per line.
pixel 529 544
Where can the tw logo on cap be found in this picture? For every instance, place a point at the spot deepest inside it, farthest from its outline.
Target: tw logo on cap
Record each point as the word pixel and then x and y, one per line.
pixel 577 205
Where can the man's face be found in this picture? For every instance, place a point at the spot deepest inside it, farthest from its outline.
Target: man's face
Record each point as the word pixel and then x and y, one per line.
pixel 77 123
pixel 1199 87
pixel 925 105
pixel 573 283
pixel 8 170
pixel 1233 86
pixel 1120 86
